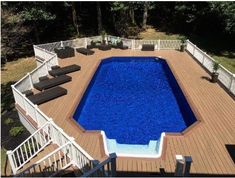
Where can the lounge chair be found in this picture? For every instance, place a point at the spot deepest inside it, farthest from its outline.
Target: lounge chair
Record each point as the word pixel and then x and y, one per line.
pixel 64 70
pixel 43 78
pixel 49 83
pixel 47 95
pixel 147 47
pixel 28 93
pixel 85 51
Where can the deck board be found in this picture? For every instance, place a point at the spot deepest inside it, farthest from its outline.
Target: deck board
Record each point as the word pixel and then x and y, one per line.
pixel 205 143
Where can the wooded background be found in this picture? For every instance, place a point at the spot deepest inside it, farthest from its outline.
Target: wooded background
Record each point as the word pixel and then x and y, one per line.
pixel 28 23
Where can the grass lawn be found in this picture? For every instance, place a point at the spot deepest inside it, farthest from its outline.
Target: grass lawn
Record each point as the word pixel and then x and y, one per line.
pixel 3 159
pixel 10 73
pixel 214 47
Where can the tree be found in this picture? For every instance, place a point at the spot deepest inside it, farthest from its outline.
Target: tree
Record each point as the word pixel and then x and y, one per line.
pixel 99 17
pixel 74 15
pixel 36 13
pixel 226 12
pixel 145 14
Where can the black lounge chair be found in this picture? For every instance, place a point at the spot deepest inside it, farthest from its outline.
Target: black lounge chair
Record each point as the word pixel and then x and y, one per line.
pixel 47 95
pixel 147 47
pixel 45 84
pixel 43 78
pixel 85 51
pixel 64 70
pixel 104 47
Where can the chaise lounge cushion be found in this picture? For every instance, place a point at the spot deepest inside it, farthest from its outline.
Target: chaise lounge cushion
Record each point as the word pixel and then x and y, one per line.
pixel 85 51
pixel 147 47
pixel 47 95
pixel 64 70
pixel 45 84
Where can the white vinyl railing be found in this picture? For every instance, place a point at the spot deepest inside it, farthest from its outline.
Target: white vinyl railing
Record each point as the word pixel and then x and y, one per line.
pixel 29 148
pixel 48 133
pixel 51 164
pixel 226 77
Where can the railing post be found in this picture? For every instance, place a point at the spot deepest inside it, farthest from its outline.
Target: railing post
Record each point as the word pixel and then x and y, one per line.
pixel 179 168
pixel 30 79
pixel 72 150
pixel 133 44
pixel 61 44
pixel 203 58
pixel 10 155
pixel 113 157
pixel 188 160
pixel 194 47
pixel 232 82
pixel 85 43
pixel 36 115
pixel 158 44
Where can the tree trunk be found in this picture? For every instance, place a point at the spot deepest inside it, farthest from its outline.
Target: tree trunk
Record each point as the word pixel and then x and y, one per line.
pixel 145 15
pixel 132 15
pixel 99 17
pixel 74 15
pixel 36 33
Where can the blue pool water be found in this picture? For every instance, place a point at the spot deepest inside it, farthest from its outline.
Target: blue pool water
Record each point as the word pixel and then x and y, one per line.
pixel 134 100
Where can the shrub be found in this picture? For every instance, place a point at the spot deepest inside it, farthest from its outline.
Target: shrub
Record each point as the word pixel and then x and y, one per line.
pixel 16 131
pixel 8 121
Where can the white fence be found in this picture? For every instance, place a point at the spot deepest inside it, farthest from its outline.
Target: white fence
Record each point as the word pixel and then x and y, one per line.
pixel 225 77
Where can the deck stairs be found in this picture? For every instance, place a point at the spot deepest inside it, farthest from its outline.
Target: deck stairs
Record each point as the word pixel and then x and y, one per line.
pixel 46 154
pixel 39 156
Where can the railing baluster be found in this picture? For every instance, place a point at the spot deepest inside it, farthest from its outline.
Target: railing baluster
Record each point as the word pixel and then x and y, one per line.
pixel 26 152
pixel 19 161
pixel 60 160
pixel 22 154
pixel 29 148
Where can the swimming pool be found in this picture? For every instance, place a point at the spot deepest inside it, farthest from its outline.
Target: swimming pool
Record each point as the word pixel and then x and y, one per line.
pixel 134 100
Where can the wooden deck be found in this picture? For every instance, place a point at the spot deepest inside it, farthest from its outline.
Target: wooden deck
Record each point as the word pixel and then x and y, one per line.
pixel 205 142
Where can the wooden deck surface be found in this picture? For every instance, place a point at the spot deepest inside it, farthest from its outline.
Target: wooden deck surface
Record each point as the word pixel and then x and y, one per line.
pixel 205 142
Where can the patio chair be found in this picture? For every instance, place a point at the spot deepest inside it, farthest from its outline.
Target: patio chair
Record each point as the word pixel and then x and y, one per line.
pixel 64 70
pixel 147 47
pixel 104 47
pixel 65 52
pixel 121 46
pixel 49 83
pixel 47 95
pixel 85 51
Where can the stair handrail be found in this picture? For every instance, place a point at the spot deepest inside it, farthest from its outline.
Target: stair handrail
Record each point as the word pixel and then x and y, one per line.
pixel 111 169
pixel 48 156
pixel 11 153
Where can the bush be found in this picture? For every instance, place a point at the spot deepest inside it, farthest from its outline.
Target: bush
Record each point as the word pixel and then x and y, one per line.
pixel 8 121
pixel 16 131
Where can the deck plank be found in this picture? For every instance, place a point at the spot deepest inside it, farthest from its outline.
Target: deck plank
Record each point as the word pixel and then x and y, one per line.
pixel 205 143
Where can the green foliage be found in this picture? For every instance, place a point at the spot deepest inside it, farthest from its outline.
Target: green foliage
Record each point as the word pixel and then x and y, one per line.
pixel 36 14
pixel 16 131
pixel 8 121
pixel 216 66
pixel 226 12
